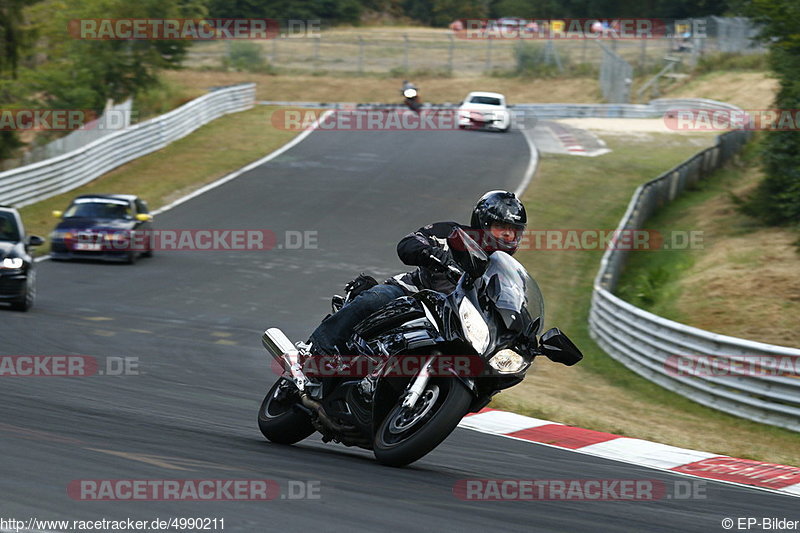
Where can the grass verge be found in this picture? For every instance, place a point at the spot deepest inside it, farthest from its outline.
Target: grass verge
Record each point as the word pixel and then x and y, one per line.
pixel 386 89
pixel 743 280
pixel 216 149
pixel 599 393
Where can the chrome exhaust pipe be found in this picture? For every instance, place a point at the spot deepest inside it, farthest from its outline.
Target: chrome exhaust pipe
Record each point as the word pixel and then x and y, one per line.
pixel 282 349
pixel 277 343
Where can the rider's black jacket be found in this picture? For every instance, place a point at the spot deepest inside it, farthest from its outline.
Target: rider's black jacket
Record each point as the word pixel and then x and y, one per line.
pixel 413 250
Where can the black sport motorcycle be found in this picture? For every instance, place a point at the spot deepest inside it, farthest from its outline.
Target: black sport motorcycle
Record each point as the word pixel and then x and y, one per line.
pixel 465 347
pixel 411 96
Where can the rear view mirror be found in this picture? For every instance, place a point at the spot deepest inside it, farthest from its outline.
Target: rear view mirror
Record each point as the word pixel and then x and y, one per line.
pixel 57 213
pixel 467 253
pixel 142 217
pixel 558 348
pixel 35 240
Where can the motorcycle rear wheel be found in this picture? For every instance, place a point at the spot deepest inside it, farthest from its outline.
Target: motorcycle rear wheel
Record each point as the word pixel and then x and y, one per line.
pixel 405 436
pixel 278 421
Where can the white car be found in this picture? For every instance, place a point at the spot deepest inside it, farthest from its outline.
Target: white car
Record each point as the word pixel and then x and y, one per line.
pixel 484 110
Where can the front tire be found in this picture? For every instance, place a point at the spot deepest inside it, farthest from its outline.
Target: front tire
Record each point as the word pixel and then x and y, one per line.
pixel 277 418
pixel 26 301
pixel 403 436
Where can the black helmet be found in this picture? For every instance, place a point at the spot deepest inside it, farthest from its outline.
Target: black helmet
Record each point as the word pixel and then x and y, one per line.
pixel 499 207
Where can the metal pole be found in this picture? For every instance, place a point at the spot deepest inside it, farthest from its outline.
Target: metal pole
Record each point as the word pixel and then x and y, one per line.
pixel 554 55
pixel 405 52
pixel 450 53
pixel 489 54
pixel 643 55
pixel 360 55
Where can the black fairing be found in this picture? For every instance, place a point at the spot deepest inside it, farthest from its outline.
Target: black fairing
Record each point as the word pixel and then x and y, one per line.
pixel 392 315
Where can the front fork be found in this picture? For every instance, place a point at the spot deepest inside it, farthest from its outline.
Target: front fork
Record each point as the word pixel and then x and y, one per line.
pixel 418 385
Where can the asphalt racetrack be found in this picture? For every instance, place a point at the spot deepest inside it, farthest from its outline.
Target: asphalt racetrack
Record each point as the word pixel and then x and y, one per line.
pixel 193 321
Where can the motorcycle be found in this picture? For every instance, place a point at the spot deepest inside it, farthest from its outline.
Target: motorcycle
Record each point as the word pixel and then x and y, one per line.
pixel 492 318
pixel 411 96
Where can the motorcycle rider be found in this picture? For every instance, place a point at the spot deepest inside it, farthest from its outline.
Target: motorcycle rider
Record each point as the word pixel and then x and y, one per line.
pixel 497 223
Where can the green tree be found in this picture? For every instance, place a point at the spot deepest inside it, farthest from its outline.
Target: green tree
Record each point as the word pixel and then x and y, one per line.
pixel 777 198
pixel 85 73
pixel 12 35
pixel 329 11
pixel 14 43
pixel 444 12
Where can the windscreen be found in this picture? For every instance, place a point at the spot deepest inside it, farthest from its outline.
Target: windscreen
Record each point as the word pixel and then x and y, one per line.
pixel 99 208
pixel 512 288
pixel 488 100
pixel 8 227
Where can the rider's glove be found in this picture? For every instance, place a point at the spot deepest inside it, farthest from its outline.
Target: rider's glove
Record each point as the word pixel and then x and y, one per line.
pixel 438 259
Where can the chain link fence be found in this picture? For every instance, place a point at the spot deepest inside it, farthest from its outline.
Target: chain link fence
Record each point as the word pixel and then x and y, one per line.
pixel 441 52
pixel 616 77
pixel 397 51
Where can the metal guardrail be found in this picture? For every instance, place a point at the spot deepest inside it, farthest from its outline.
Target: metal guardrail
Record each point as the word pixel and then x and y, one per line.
pixel 651 345
pixel 32 183
pixel 530 112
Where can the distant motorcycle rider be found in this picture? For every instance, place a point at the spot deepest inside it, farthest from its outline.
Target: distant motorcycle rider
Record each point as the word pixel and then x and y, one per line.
pixel 497 223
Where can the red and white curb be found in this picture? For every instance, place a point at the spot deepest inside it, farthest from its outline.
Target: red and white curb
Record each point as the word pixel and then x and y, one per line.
pixel 568 143
pixel 779 478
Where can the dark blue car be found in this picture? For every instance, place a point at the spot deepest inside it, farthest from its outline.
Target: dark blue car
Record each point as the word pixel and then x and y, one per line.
pixel 102 226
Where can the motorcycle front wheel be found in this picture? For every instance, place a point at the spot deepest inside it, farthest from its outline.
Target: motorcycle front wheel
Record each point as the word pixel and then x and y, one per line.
pixel 406 435
pixel 278 421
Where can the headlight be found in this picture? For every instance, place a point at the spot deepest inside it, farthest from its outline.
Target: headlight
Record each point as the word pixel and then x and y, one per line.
pixel 56 235
pixel 507 361
pixel 12 262
pixel 475 327
pixel 410 93
pixel 117 236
